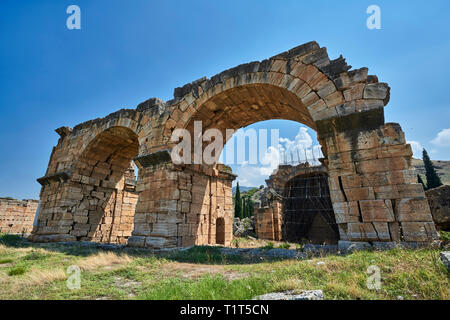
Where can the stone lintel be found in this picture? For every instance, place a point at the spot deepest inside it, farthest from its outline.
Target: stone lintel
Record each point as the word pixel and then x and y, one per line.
pixel 356 122
pixel 56 177
pixel 154 158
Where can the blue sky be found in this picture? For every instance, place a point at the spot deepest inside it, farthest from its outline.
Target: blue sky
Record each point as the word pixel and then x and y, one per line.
pixel 128 51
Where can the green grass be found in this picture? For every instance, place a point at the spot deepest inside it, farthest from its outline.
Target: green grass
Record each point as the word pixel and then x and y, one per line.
pixel 6 260
pixel 285 245
pixel 445 235
pixel 38 271
pixel 206 288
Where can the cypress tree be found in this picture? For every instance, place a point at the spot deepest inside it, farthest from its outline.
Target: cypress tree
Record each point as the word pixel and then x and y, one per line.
pixel 433 180
pixel 251 207
pixel 244 207
pixel 238 203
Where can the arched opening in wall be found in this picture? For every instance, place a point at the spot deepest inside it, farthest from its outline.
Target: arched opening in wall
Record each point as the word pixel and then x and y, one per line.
pixel 107 178
pixel 308 214
pixel 242 107
pixel 220 231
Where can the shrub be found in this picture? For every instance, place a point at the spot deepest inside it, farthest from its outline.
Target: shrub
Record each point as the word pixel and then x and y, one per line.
pixel 9 239
pixel 285 245
pixel 17 270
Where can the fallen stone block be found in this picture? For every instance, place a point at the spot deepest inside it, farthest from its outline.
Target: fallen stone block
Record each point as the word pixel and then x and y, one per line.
pixel 350 246
pixel 445 258
pixel 290 295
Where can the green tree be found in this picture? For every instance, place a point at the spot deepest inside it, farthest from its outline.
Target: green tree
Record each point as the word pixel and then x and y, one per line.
pixel 251 207
pixel 244 207
pixel 419 180
pixel 433 180
pixel 238 203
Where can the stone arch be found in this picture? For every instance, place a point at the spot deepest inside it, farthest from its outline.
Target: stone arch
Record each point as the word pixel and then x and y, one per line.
pixel 371 180
pixel 368 161
pixel 95 198
pixel 105 173
pixel 315 88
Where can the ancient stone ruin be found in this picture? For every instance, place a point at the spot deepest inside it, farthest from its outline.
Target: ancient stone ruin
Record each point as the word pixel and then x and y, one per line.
pixel 372 184
pixel 439 201
pixel 16 216
pixel 297 206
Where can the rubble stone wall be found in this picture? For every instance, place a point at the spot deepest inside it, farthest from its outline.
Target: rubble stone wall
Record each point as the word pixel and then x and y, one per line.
pixel 17 216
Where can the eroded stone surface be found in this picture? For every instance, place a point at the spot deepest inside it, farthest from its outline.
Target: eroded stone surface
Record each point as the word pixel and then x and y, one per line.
pixel 291 295
pixel 439 201
pixel 17 216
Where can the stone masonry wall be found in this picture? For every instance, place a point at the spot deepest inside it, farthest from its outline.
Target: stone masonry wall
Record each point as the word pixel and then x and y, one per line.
pixel 17 216
pixel 269 219
pixel 180 206
pixel 268 222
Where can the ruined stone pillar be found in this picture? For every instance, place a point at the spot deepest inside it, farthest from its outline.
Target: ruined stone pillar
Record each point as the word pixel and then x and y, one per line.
pixel 372 182
pixel 179 205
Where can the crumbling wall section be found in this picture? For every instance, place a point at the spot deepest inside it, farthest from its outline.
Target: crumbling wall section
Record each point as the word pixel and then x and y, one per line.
pixel 17 216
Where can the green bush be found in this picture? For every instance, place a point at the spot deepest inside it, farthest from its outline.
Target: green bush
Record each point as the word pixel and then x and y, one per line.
pixel 35 256
pixel 269 245
pixel 17 270
pixel 285 245
pixel 9 239
pixel 445 235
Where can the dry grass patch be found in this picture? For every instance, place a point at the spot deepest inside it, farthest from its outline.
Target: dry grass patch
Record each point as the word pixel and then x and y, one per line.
pixel 196 271
pixel 104 260
pixel 38 277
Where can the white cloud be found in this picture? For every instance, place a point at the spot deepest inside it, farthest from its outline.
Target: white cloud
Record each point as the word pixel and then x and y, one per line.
pixel 443 138
pixel 416 149
pixel 300 148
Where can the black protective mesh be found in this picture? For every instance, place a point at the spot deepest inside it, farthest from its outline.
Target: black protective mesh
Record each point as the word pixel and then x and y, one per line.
pixel 306 197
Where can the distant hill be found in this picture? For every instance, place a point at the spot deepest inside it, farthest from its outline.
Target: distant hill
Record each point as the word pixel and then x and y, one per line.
pixel 242 189
pixel 442 169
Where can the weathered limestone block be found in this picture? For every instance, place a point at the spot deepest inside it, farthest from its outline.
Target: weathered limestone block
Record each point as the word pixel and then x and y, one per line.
pixel 419 231
pixel 362 231
pixel 376 210
pixel 346 212
pixel 413 209
pixel 439 201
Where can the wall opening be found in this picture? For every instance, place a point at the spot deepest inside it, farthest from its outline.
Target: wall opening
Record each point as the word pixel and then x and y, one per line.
pixel 105 212
pixel 307 210
pixel 220 231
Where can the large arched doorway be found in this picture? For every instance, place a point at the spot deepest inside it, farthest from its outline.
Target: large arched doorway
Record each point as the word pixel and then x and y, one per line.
pixel 106 186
